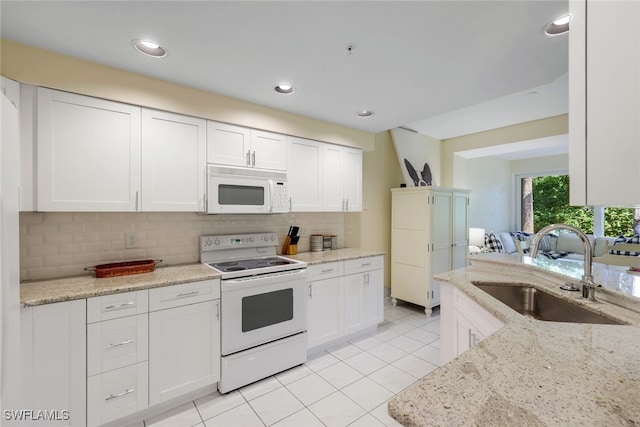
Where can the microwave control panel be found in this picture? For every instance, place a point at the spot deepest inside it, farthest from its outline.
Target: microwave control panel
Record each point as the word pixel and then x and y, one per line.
pixel 280 196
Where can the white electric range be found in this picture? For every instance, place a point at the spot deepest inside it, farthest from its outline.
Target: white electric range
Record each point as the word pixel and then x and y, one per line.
pixel 263 307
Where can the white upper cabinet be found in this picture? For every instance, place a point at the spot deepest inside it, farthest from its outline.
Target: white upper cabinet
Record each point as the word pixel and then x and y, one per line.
pixel 88 153
pixel 342 178
pixel 604 103
pixel 268 150
pixel 239 146
pixel 305 175
pixel 173 162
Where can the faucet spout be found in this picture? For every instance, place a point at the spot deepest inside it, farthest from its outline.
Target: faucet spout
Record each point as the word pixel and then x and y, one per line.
pixel 588 285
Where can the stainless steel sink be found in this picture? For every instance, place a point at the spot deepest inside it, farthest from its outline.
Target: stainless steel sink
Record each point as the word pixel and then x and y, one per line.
pixel 532 302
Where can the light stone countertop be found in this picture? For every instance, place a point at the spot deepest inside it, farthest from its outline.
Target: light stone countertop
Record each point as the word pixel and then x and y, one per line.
pixel 80 287
pixel 344 254
pixel 532 372
pixel 86 286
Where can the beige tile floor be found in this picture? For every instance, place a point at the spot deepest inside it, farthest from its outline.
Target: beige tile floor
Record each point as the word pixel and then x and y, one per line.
pixel 347 385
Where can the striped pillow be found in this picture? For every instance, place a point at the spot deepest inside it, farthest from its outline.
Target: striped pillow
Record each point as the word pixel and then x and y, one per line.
pixel 621 239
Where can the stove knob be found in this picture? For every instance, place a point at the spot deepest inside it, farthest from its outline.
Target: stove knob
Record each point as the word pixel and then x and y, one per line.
pixel 266 237
pixel 217 242
pixel 250 239
pixel 273 238
pixel 207 242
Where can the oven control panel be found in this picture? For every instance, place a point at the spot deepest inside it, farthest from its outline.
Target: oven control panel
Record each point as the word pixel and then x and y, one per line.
pixel 231 241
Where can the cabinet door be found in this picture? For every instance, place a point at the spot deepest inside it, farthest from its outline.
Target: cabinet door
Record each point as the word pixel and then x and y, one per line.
pixel 228 144
pixel 463 330
pixel 173 162
pixel 268 150
pixel 374 298
pixel 460 230
pixel 326 308
pixel 184 350
pixel 354 302
pixel 352 178
pixel 604 95
pixel 333 179
pixel 54 360
pixel 305 175
pixel 88 153
pixel 441 255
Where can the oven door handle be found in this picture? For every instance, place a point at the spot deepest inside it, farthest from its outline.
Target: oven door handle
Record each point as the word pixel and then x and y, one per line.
pixel 264 279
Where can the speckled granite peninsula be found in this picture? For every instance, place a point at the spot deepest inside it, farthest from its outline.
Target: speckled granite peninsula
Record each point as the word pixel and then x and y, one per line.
pixel 531 372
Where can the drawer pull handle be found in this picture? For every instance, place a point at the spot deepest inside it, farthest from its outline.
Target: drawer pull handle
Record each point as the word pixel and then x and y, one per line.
pixel 329 270
pixel 187 294
pixel 120 306
pixel 115 396
pixel 118 344
pixel 366 264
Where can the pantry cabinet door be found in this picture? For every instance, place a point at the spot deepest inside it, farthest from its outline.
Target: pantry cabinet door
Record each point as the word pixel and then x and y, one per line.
pixel 88 153
pixel 173 162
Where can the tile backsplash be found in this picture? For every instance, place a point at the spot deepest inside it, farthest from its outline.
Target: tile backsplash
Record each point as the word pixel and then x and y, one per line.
pixel 57 244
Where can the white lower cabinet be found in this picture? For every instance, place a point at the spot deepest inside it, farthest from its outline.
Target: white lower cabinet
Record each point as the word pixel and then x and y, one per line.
pixel 344 298
pixel 463 323
pixel 184 340
pixel 54 363
pixel 117 393
pixel 117 356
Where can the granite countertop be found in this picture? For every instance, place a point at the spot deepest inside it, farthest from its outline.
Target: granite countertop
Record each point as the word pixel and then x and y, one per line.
pixel 80 287
pixel 344 254
pixel 86 286
pixel 533 372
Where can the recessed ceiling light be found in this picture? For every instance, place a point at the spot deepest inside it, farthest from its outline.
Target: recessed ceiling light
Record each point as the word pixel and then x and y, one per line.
pixel 284 88
pixel 150 48
pixel 558 26
pixel 364 113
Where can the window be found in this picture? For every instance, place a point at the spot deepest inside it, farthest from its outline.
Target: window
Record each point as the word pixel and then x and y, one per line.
pixel 543 199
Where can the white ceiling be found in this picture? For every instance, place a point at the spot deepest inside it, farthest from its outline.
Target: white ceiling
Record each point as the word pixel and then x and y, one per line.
pixel 443 68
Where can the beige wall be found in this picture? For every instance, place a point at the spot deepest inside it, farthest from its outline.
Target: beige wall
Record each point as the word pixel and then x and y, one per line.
pixel 372 227
pixel 40 67
pixel 557 125
pixel 541 164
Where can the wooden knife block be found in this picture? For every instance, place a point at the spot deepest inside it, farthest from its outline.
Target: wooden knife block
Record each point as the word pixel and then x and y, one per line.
pixel 288 248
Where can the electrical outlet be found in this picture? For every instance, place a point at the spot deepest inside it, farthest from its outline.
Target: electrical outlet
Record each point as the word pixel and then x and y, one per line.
pixel 130 239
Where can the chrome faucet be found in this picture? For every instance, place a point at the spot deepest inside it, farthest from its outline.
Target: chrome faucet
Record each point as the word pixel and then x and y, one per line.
pixel 588 285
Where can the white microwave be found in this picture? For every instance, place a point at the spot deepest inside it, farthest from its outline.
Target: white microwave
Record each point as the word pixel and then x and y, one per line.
pixel 234 190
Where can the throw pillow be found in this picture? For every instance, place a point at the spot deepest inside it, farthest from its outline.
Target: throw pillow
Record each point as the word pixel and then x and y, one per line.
pixel 621 239
pixel 493 243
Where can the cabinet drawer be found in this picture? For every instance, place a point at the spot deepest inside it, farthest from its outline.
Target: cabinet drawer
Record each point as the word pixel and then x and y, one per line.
pixel 187 293
pixel 117 305
pixel 116 394
pixel 325 271
pixel 117 343
pixel 360 265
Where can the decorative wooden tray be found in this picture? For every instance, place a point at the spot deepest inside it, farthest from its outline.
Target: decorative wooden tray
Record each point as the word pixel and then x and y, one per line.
pixel 124 268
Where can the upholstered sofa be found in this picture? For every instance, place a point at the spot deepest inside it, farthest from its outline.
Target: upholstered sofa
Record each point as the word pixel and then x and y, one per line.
pixel 564 245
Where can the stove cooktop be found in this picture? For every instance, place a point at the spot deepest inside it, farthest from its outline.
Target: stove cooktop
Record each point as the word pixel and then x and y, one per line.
pixel 250 264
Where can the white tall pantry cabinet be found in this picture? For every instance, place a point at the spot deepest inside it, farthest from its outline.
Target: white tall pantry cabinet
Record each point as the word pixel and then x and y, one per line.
pixel 428 236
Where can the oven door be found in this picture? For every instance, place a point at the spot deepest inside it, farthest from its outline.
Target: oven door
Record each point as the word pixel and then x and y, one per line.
pixel 263 308
pixel 237 194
